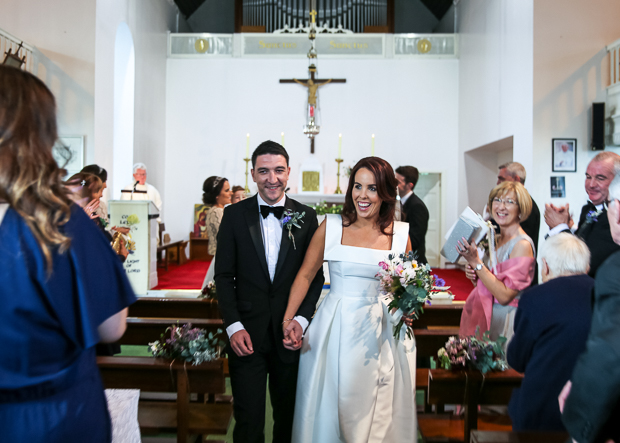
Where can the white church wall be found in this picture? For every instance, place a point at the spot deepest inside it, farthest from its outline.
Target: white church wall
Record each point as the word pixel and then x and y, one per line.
pixel 495 87
pixel 62 33
pixel 410 105
pixel 149 21
pixel 571 70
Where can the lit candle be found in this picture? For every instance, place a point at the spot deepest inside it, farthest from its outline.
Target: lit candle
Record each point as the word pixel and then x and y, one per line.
pixel 339 146
pixel 282 139
pixel 247 147
pixel 372 146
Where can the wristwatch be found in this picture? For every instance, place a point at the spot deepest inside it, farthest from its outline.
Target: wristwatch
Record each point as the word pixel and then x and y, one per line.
pixel 478 267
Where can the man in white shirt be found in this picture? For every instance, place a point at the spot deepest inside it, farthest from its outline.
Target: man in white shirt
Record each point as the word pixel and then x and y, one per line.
pixel 140 184
pixel 256 265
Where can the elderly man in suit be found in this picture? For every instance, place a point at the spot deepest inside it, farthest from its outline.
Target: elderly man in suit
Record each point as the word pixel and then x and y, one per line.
pixel 416 213
pixel 593 225
pixel 257 262
pixel 551 327
pixel 590 402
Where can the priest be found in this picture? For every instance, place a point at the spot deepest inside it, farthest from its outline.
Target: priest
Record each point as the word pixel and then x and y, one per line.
pixel 148 191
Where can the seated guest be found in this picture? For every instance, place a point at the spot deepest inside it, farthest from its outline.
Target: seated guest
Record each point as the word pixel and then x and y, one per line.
pixel 551 328
pixel 414 209
pixel 593 225
pixel 503 274
pixel 217 193
pixel 140 184
pixel 238 194
pixel 50 388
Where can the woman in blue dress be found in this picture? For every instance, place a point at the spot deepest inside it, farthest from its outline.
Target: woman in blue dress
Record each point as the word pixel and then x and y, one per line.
pixel 62 289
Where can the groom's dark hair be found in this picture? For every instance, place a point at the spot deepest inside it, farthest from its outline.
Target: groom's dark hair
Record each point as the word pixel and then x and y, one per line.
pixel 269 147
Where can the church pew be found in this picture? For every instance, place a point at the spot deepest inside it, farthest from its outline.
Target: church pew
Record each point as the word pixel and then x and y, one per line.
pixel 429 341
pixel 517 437
pixel 470 389
pixel 174 308
pixel 145 330
pixel 158 375
pixel 440 315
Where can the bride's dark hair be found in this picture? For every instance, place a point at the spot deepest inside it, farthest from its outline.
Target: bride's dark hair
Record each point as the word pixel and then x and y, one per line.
pixel 385 179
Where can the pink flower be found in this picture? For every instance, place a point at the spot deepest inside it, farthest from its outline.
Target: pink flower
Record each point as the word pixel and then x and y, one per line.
pixel 399 269
pixel 384 265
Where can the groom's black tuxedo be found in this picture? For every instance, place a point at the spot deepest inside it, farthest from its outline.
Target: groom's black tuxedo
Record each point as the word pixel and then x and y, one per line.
pixel 597 235
pixel 246 294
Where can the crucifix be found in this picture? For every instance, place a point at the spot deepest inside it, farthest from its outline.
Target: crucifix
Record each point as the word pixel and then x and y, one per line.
pixel 313 85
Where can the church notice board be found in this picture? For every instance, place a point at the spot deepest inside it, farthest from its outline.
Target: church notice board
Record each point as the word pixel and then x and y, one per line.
pixel 141 219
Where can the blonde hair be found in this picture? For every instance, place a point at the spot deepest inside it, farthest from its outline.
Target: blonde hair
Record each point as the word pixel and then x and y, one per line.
pixel 524 201
pixel 30 179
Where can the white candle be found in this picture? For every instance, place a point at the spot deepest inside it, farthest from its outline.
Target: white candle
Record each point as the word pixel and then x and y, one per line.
pixel 282 139
pixel 247 147
pixel 339 146
pixel 372 146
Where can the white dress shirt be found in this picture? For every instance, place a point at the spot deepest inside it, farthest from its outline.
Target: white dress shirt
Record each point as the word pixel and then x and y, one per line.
pixel 406 197
pixel 563 226
pixel 271 229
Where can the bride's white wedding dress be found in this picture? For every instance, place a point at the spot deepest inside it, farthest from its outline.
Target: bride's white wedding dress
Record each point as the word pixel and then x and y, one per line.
pixel 356 383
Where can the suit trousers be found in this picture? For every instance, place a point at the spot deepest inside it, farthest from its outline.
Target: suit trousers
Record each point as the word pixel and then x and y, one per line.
pixel 248 377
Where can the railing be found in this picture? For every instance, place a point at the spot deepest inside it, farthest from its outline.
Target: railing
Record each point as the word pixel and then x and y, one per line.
pixel 7 41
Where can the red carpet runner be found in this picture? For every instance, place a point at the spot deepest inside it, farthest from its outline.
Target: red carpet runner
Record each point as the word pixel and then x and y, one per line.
pixel 191 275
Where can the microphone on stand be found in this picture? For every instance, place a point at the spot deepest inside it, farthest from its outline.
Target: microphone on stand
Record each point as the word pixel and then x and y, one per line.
pixel 134 188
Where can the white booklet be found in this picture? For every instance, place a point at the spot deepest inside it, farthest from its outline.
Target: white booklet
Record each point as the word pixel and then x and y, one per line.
pixel 469 225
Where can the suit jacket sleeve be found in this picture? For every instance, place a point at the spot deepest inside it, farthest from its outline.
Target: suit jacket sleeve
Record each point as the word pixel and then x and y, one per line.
pixel 596 379
pixel 417 217
pixel 308 306
pixel 225 269
pixel 522 342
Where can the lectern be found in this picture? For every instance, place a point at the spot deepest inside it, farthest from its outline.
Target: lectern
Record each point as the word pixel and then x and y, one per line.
pixel 141 219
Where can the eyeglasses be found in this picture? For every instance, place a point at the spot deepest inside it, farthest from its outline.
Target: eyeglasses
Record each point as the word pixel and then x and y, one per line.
pixel 506 201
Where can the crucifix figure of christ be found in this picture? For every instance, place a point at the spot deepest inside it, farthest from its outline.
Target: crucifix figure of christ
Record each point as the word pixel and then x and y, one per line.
pixel 313 85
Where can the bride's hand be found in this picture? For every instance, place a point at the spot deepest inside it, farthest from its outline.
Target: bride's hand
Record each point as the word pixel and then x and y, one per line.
pixel 408 320
pixel 292 335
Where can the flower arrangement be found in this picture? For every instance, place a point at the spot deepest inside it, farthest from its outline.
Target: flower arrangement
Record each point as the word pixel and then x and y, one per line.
pixel 475 351
pixel 592 216
pixel 209 291
pixel 322 208
pixel 291 220
pixel 192 345
pixel 408 285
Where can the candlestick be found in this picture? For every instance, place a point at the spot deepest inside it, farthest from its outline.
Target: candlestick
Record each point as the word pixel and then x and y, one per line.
pixel 247 148
pixel 338 190
pixel 339 145
pixel 282 139
pixel 372 147
pixel 247 162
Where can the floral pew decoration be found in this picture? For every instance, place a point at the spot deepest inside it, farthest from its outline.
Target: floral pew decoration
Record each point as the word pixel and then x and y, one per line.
pixel 209 292
pixel 476 351
pixel 191 345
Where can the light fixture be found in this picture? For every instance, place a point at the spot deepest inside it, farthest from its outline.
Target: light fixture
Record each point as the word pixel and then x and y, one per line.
pixel 13 60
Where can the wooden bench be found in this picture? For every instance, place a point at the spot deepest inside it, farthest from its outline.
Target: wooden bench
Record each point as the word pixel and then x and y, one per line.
pixel 158 375
pixel 429 341
pixel 470 389
pixel 440 315
pixel 175 308
pixel 518 437
pixel 142 331
pixel 177 246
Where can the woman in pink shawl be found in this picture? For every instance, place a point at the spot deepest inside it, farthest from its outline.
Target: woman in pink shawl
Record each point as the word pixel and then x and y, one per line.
pixel 506 270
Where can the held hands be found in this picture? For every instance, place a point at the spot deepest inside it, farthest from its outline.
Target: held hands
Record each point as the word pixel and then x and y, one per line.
pixel 556 215
pixel 292 335
pixel 241 343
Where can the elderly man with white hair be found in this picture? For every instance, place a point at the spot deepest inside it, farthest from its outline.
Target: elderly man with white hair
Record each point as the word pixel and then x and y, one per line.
pixel 590 402
pixel 149 192
pixel 551 328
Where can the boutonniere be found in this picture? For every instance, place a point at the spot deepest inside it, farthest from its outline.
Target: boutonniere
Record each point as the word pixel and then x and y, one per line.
pixel 291 220
pixel 592 216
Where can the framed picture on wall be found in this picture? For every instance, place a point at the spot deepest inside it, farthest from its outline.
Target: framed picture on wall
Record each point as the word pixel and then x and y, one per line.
pixel 558 187
pixel 69 153
pixel 564 154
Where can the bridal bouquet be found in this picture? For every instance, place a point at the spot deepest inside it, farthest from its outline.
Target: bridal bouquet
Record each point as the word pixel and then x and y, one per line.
pixel 192 345
pixel 475 351
pixel 408 285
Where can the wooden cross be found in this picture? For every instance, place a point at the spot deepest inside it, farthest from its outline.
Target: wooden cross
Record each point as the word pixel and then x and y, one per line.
pixel 313 85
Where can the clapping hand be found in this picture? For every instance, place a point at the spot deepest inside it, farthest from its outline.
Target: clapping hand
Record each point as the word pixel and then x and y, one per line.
pixel 556 215
pixel 292 335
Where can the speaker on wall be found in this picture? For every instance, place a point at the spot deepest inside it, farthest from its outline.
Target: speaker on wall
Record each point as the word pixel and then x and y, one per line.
pixel 598 127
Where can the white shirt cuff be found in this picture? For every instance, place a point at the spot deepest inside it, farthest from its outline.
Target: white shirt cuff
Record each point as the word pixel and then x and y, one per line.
pixel 235 327
pixel 559 228
pixel 302 322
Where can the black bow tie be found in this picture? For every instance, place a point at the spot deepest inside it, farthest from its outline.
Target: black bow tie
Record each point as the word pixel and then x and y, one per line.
pixel 277 211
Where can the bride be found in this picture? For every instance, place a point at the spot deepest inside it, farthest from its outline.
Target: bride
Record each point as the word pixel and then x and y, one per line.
pixel 356 383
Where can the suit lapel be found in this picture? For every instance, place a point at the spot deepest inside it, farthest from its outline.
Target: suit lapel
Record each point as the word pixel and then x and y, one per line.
pixel 252 218
pixel 285 243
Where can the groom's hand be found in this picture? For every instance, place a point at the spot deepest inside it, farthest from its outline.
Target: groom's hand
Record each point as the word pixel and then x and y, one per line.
pixel 241 343
pixel 293 336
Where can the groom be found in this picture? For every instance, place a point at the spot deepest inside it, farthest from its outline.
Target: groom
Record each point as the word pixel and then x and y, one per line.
pixel 256 265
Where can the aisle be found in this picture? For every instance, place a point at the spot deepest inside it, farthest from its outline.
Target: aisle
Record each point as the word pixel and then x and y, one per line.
pixel 190 275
